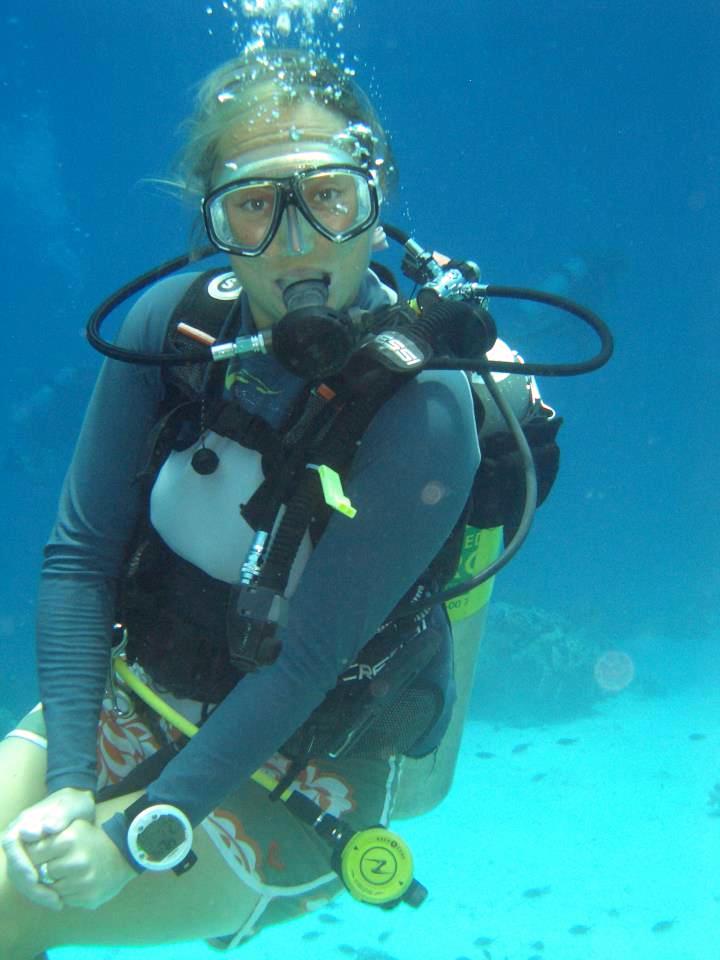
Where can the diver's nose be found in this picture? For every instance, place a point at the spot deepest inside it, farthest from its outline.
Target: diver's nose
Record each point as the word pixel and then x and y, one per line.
pixel 295 234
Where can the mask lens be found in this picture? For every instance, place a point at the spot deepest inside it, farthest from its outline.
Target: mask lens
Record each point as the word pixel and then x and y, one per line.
pixel 243 217
pixel 339 201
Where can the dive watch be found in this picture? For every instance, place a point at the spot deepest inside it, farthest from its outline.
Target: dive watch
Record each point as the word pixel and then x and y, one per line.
pixel 159 836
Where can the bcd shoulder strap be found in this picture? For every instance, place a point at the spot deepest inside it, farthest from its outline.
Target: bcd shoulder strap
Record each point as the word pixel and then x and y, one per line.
pixel 194 392
pixel 206 305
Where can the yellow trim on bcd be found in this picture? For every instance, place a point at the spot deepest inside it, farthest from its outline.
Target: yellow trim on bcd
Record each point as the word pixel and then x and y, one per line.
pixel 480 548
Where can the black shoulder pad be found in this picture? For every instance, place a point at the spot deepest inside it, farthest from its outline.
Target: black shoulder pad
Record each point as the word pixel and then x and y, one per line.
pixel 205 306
pixel 386 275
pixel 498 491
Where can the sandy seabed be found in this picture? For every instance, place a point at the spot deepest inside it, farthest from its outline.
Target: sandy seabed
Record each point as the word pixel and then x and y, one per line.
pixel 589 840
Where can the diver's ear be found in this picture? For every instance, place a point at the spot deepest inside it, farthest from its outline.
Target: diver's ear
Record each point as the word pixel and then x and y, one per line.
pixel 379 240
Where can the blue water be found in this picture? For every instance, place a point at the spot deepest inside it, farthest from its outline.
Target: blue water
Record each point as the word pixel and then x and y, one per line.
pixel 530 136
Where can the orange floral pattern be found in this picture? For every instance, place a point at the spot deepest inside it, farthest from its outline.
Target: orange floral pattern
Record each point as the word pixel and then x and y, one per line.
pixel 123 742
pixel 238 848
pixel 331 793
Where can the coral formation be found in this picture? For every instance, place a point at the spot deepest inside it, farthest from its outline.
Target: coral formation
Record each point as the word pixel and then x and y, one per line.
pixel 533 667
pixel 714 801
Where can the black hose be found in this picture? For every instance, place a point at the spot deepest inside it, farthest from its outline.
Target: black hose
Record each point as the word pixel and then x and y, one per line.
pixel 92 331
pixel 396 234
pixel 500 291
pixel 539 369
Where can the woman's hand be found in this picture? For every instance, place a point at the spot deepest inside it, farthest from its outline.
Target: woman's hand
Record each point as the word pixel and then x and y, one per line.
pixel 47 818
pixel 82 866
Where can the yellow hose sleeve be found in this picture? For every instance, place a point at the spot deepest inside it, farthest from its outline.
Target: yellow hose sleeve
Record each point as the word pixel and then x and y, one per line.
pixel 181 723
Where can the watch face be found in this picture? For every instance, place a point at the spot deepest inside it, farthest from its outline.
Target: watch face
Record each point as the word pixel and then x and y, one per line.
pixel 161 837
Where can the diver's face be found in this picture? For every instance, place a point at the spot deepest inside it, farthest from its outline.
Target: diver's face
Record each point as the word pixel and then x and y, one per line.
pixel 297 251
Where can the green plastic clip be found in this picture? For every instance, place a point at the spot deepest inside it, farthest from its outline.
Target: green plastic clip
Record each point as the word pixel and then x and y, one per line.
pixel 332 490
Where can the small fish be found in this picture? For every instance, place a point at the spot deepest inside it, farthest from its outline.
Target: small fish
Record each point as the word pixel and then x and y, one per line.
pixel 566 741
pixel 311 935
pixel 484 941
pixel 697 736
pixel 613 912
pixel 538 777
pixel 382 937
pixel 662 925
pixel 538 945
pixel 533 892
pixel 328 918
pixel 347 950
pixel 485 755
pixel 487 955
pixel 520 747
pixel 579 929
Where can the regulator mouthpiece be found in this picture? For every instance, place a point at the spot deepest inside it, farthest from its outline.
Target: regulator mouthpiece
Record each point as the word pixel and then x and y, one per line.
pixel 312 340
pixel 305 293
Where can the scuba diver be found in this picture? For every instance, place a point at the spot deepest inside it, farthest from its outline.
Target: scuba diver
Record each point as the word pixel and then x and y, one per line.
pixel 244 639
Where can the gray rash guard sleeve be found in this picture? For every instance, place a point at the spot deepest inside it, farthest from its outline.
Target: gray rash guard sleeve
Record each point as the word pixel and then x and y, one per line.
pixel 100 504
pixel 409 482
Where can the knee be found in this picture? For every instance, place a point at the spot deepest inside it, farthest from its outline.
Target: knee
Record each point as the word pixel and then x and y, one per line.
pixel 23 764
pixel 21 924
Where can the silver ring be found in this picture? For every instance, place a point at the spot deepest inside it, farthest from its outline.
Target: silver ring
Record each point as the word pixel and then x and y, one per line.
pixel 44 876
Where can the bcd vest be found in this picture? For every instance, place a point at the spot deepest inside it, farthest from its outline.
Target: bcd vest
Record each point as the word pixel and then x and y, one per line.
pixel 176 613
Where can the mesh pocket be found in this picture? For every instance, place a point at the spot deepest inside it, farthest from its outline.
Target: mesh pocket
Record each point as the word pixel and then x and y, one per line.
pixel 401 725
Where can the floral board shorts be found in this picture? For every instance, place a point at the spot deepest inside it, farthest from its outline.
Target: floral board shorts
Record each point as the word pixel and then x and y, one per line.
pixel 267 847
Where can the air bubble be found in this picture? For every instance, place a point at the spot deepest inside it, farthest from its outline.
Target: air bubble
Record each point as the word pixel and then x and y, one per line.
pixel 278 20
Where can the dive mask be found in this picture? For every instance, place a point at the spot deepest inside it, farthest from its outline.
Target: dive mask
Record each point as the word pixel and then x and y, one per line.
pixel 339 199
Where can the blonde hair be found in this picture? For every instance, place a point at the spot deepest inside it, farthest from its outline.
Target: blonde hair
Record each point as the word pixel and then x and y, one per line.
pixel 259 85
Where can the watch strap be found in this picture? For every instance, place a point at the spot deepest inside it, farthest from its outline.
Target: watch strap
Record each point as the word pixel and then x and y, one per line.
pixel 116 828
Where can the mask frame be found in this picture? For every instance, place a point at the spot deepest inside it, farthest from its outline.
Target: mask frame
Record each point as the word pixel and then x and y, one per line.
pixel 288 192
